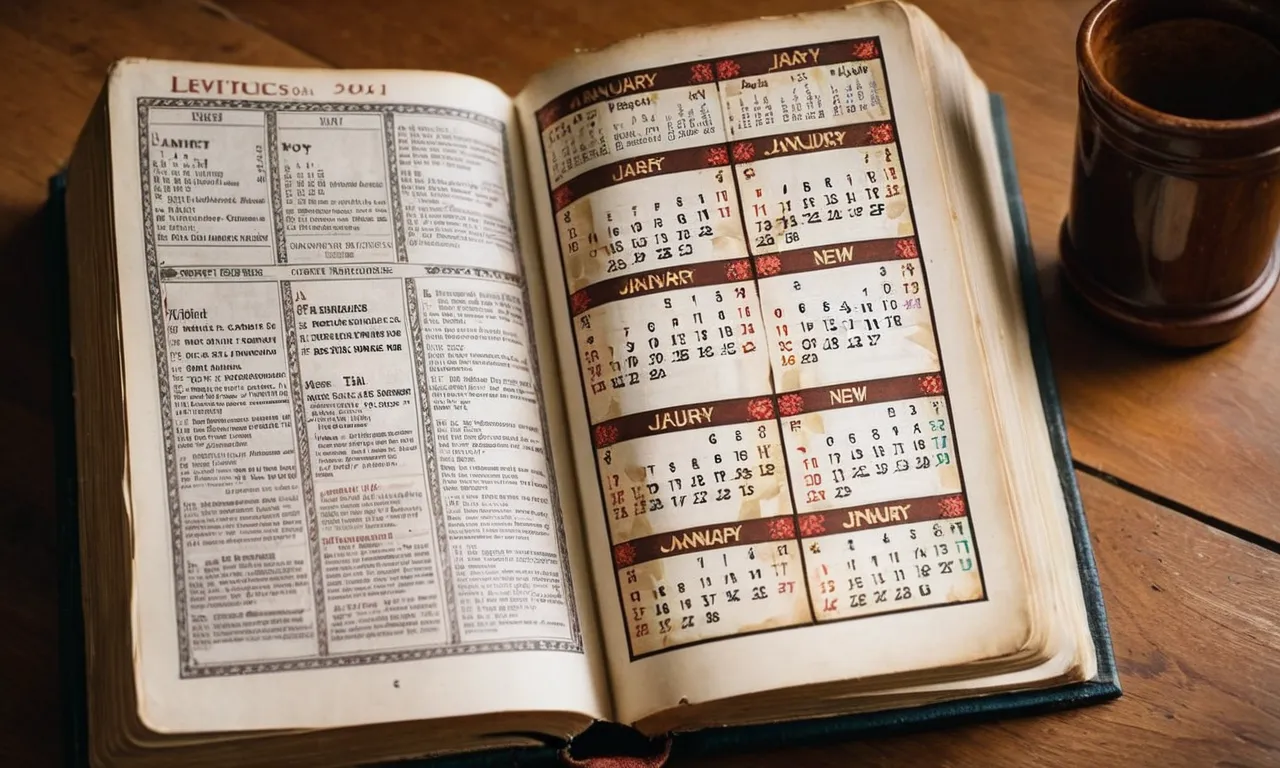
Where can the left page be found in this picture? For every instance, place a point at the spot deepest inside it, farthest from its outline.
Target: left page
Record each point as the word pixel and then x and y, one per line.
pixel 341 410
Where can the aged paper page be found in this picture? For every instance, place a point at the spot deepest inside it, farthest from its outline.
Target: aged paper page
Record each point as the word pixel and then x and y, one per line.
pixel 788 454
pixel 344 498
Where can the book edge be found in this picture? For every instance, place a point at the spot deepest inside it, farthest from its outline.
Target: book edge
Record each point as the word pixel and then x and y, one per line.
pixel 1050 399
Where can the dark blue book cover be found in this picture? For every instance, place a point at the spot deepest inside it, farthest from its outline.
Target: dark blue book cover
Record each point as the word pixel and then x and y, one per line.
pixel 605 739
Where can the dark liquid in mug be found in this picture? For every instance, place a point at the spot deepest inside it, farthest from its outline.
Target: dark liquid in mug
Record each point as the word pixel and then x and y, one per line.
pixel 1196 68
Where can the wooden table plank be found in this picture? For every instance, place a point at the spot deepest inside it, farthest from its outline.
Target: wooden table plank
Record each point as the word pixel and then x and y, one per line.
pixel 1197 634
pixel 1194 429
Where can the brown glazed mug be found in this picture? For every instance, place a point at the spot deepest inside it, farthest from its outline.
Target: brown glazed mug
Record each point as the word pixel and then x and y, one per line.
pixel 1175 203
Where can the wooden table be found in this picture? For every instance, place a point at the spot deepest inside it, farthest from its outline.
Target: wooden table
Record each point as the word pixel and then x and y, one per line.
pixel 1177 456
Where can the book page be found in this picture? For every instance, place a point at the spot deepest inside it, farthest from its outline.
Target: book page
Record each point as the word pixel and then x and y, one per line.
pixel 787 451
pixel 343 487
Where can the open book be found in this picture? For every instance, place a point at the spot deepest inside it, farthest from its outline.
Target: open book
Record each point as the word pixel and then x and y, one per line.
pixel 690 388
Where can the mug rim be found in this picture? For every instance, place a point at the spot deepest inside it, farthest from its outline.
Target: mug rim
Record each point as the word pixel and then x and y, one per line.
pixel 1091 74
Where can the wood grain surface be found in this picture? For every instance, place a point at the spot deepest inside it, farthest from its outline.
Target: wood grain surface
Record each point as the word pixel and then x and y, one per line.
pixel 1194 609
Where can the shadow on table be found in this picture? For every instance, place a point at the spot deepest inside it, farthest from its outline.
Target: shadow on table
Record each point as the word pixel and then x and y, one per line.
pixel 28 527
pixel 1088 354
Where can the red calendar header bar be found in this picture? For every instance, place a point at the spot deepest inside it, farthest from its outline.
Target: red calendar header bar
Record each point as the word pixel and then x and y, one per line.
pixel 806 142
pixel 659 281
pixel 786 59
pixel 703 539
pixel 836 255
pixel 882 514
pixel 860 393
pixel 683 417
pixel 676 161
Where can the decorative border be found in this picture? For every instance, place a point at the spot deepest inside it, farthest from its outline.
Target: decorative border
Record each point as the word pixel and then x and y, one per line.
pixel 743 151
pixel 165 102
pixel 428 437
pixel 188 667
pixel 303 446
pixel 162 383
pixel 393 181
pixel 277 191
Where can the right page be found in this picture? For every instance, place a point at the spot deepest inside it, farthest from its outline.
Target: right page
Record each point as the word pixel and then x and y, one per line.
pixel 787 447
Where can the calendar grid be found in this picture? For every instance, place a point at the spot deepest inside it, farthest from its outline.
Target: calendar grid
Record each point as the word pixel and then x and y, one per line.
pixel 760 404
